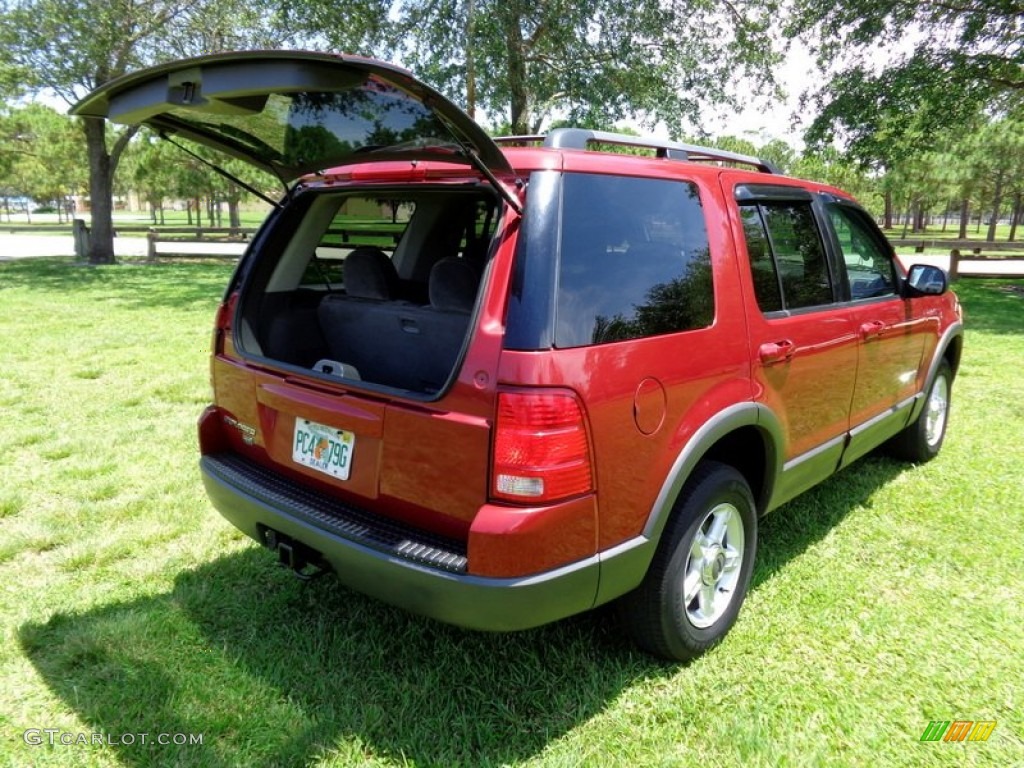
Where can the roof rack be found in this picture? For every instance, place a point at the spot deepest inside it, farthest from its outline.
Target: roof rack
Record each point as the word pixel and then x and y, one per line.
pixel 580 138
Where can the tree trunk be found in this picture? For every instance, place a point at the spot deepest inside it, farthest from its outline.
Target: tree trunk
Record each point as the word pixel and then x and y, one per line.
pixel 1016 216
pixel 470 61
pixel 887 197
pixel 906 220
pixel 997 203
pixel 234 217
pixel 965 217
pixel 515 48
pixel 919 218
pixel 101 203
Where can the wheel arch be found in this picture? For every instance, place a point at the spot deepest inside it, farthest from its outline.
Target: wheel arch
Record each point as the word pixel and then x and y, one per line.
pixel 949 349
pixel 746 436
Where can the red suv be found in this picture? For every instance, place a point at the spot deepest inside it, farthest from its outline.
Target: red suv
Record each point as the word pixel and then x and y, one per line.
pixel 502 381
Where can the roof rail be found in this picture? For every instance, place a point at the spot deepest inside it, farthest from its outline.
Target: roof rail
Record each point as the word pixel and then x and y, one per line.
pixel 579 138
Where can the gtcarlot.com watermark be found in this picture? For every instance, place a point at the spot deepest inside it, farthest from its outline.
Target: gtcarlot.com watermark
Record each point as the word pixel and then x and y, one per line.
pixel 56 737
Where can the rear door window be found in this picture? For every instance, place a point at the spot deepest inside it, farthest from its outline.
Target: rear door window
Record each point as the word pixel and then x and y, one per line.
pixel 634 260
pixel 787 256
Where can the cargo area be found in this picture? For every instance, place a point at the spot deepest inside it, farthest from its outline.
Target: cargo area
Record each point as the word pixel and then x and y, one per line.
pixel 371 286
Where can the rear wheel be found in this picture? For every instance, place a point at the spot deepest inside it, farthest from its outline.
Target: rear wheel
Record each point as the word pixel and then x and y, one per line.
pixel 699 576
pixel 922 440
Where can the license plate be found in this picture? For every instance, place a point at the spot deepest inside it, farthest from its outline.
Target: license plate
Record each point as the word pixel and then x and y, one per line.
pixel 325 449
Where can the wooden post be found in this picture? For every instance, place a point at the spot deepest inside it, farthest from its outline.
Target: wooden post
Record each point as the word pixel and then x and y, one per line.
pixel 80 234
pixel 954 264
pixel 151 237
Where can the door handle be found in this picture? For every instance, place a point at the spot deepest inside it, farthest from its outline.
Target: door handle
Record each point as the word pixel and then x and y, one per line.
pixel 776 351
pixel 872 329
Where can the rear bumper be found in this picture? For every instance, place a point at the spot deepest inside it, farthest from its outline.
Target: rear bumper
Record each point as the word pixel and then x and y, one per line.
pixel 421 576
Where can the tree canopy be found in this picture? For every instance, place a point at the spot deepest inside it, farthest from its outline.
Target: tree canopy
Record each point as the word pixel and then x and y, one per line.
pixel 968 56
pixel 524 64
pixel 69 47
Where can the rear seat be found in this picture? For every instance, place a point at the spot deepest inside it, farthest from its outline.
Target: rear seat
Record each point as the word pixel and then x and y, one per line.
pixel 399 344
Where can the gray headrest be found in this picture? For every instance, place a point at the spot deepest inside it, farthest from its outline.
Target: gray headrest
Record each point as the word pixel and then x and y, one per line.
pixel 370 274
pixel 453 284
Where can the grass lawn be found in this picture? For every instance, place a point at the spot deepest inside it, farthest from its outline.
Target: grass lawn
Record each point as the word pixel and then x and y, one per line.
pixel 952 232
pixel 886 598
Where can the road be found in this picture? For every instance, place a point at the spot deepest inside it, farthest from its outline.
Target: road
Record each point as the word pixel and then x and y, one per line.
pixel 30 246
pixel 979 267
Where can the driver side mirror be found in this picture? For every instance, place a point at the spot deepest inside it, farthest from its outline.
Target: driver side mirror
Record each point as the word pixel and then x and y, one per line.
pixel 926 280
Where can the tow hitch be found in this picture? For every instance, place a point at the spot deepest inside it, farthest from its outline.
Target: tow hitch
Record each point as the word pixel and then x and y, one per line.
pixel 304 562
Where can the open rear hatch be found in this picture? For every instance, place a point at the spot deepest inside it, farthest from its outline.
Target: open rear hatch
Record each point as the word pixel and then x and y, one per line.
pixel 356 303
pixel 292 113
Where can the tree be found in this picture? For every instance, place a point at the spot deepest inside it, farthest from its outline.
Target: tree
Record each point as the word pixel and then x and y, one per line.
pixel 41 150
pixel 1001 153
pixel 830 166
pixel 591 61
pixel 150 165
pixel 969 56
pixel 69 47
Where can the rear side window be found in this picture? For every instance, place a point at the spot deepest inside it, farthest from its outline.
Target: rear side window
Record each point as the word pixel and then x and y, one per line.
pixel 787 256
pixel 634 260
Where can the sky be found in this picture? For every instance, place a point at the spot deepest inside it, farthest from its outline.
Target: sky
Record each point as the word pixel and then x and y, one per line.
pixel 761 122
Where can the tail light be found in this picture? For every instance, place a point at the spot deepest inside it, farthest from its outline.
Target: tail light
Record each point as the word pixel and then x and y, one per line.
pixel 541 451
pixel 222 322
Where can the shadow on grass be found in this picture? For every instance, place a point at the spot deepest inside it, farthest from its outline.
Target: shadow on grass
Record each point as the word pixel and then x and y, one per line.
pixel 275 672
pixel 992 306
pixel 173 285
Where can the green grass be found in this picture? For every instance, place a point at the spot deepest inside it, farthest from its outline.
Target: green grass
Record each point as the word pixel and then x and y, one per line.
pixel 887 597
pixel 952 232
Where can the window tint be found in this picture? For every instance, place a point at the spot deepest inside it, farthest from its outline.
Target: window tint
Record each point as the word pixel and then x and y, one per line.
pixel 869 267
pixel 634 260
pixel 784 238
pixel 311 129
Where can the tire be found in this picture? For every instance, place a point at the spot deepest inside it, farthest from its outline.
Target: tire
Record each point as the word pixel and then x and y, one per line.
pixel 706 554
pixel 922 440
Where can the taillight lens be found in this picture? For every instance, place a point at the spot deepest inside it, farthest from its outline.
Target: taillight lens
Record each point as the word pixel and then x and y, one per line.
pixel 541 453
pixel 222 323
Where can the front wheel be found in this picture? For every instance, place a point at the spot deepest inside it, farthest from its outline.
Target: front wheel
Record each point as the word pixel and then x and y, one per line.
pixel 921 440
pixel 700 573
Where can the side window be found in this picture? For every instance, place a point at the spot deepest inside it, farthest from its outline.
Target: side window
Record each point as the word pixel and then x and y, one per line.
pixel 634 260
pixel 869 267
pixel 786 235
